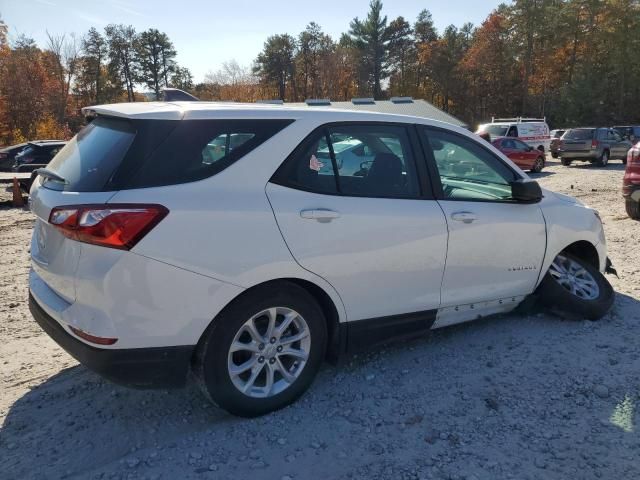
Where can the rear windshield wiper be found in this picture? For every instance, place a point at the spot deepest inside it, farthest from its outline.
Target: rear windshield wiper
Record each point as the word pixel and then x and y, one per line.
pixel 50 174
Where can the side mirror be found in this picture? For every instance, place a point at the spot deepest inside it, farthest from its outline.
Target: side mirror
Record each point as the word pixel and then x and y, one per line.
pixel 526 191
pixel 529 148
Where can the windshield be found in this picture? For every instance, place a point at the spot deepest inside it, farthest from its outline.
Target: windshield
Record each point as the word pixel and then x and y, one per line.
pixel 494 130
pixel 579 134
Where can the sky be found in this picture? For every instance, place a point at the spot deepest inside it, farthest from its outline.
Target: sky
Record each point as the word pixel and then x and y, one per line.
pixel 208 33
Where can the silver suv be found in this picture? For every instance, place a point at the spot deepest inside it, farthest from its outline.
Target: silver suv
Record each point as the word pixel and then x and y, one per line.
pixel 595 145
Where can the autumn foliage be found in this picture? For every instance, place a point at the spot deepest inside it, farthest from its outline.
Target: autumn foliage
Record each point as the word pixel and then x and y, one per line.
pixel 573 61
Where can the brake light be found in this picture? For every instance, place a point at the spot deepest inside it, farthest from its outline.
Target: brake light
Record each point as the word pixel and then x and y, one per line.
pixel 594 144
pixel 634 155
pixel 115 226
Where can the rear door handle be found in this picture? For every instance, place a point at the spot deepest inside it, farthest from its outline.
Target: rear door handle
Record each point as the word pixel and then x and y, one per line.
pixel 464 217
pixel 320 214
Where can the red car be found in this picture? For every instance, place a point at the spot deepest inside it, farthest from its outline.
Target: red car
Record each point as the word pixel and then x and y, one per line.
pixel 523 155
pixel 631 183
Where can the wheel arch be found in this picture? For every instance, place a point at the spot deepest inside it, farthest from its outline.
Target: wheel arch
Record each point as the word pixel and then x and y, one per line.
pixel 336 332
pixel 584 250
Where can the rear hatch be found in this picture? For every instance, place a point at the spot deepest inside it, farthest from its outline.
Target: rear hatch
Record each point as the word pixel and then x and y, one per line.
pixel 86 164
pixel 578 140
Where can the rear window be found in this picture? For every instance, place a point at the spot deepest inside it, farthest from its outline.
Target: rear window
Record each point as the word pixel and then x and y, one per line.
pixel 579 134
pixel 119 154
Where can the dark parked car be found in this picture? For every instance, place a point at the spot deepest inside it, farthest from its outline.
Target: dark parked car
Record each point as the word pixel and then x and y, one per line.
pixel 630 132
pixel 555 141
pixel 8 154
pixel 595 145
pixel 36 154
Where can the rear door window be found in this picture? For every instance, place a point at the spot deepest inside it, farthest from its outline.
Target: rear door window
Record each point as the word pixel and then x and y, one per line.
pixel 355 160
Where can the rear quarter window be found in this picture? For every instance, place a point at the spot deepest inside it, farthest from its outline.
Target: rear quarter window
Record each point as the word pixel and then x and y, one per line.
pixel 194 150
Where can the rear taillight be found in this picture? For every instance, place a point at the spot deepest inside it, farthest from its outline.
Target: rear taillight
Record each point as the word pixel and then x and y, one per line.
pixel 594 144
pixel 634 155
pixel 116 226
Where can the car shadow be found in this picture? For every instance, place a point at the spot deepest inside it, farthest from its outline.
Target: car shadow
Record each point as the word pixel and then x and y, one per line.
pixel 75 424
pixel 610 166
pixel 541 174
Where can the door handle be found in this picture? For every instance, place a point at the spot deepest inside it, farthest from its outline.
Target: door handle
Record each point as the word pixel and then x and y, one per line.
pixel 464 217
pixel 321 214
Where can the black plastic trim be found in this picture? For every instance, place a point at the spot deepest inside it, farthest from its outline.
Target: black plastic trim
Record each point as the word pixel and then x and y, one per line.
pixel 362 334
pixel 162 367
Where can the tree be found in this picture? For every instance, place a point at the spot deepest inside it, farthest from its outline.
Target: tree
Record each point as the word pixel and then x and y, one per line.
pixel 155 56
pixel 424 29
pixel 182 78
pixel 26 86
pixel 94 54
pixel 369 37
pixel 401 52
pixel 64 53
pixel 122 55
pixel 313 60
pixel 275 64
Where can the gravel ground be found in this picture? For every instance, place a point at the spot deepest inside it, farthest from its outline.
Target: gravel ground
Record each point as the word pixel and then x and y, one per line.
pixel 515 396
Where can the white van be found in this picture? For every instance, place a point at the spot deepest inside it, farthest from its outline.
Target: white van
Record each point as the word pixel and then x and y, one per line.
pixel 532 131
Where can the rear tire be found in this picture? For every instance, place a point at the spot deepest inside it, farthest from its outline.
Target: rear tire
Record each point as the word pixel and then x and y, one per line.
pixel 554 155
pixel 538 165
pixel 603 161
pixel 279 377
pixel 566 162
pixel 575 289
pixel 633 208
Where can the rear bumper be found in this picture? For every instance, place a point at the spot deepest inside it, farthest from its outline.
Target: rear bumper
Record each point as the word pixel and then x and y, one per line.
pixel 587 155
pixel 162 367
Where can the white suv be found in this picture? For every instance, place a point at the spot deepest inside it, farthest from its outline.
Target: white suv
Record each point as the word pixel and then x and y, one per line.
pixel 228 241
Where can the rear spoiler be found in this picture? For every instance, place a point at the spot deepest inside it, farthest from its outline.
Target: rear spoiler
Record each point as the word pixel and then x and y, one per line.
pixel 168 95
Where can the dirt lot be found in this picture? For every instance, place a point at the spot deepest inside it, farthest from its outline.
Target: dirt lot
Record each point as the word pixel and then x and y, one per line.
pixel 517 396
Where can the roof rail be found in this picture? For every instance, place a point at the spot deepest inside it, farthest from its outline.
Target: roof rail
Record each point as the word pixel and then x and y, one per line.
pixel 518 119
pixel 275 101
pixel 363 101
pixel 317 102
pixel 177 95
pixel 401 99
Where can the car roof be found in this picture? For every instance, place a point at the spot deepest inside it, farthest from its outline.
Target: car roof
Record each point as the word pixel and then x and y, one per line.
pixel 214 110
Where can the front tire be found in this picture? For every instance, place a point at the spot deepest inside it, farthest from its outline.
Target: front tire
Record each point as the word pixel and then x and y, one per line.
pixel 554 155
pixel 263 351
pixel 633 208
pixel 576 289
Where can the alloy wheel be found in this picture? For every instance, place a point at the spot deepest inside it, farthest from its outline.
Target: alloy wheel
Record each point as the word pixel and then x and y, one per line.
pixel 269 352
pixel 574 278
